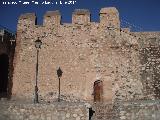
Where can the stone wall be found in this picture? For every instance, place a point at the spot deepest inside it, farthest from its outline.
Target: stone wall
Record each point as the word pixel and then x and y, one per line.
pixel 149 43
pixel 86 51
pixel 55 111
pixel 135 110
pixel 132 110
pixel 143 110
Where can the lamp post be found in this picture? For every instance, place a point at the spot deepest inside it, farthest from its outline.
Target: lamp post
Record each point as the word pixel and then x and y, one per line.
pixel 59 74
pixel 38 44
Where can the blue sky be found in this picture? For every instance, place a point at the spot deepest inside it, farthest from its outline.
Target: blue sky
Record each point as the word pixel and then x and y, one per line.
pixel 142 15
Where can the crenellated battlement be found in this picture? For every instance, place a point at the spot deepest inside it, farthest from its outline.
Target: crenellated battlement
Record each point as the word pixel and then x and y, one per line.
pixel 26 20
pixel 52 18
pixel 109 17
pixel 81 17
pixel 27 16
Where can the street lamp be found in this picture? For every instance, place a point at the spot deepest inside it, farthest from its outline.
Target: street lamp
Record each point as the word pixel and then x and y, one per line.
pixel 38 44
pixel 59 74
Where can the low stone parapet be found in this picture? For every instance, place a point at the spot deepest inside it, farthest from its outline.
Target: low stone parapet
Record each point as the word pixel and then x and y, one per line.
pixel 56 111
pixel 133 110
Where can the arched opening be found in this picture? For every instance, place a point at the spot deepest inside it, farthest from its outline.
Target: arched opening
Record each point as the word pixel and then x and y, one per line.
pixel 4 72
pixel 98 90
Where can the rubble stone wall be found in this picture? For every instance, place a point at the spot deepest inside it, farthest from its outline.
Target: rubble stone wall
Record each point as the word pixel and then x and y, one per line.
pixel 136 110
pixel 67 111
pixel 143 110
pixel 85 51
pixel 150 63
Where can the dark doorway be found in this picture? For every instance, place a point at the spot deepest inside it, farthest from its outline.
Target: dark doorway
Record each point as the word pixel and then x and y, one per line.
pixel 4 70
pixel 98 89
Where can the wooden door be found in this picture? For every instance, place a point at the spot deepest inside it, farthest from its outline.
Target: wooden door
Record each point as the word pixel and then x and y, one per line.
pixel 98 89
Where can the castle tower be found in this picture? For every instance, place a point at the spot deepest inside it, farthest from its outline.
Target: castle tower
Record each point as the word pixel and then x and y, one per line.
pixel 109 17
